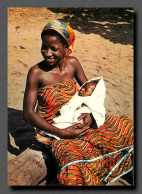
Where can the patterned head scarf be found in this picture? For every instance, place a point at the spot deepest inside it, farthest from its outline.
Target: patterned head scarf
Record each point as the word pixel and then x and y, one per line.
pixel 65 30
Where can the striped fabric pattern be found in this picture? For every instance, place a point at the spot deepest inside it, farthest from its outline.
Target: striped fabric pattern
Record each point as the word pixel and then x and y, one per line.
pixel 115 134
pixel 52 97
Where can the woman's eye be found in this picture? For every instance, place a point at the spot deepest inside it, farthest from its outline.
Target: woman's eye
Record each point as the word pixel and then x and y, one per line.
pixel 54 49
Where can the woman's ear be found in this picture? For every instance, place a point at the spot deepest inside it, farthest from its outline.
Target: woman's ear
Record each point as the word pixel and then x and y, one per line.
pixel 66 49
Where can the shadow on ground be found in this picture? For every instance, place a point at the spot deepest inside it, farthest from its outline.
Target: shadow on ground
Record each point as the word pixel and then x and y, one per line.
pixel 22 132
pixel 114 24
pixel 24 137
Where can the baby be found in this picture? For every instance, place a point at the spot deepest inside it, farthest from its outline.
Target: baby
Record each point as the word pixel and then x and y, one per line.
pixel 88 88
pixel 89 99
pixel 70 112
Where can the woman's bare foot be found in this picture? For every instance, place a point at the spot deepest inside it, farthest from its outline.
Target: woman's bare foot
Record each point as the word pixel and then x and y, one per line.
pixel 42 139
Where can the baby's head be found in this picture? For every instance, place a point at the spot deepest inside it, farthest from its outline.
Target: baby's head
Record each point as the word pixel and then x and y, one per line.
pixel 88 88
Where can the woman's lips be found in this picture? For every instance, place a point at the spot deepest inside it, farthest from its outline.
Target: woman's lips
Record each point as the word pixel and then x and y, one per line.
pixel 49 60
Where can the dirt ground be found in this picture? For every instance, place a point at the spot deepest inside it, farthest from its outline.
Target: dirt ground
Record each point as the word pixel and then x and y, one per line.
pixel 104 47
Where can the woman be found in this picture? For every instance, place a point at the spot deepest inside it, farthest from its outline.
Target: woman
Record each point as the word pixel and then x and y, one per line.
pixel 86 155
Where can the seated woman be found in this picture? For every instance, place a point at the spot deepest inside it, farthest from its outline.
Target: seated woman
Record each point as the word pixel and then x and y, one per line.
pixel 86 156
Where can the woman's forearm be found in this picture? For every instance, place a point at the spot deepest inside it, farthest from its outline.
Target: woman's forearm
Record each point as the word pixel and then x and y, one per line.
pixel 35 120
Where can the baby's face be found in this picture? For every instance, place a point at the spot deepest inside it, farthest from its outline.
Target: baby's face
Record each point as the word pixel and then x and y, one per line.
pixel 87 89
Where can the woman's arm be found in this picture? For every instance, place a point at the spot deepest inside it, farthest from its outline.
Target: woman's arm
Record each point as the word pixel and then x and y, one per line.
pixel 30 99
pixel 79 73
pixel 81 79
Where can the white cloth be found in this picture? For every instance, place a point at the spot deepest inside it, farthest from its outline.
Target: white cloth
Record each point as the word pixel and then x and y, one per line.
pixel 72 110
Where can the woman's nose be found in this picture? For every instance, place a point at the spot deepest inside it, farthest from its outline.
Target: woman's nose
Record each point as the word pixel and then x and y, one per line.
pixel 48 53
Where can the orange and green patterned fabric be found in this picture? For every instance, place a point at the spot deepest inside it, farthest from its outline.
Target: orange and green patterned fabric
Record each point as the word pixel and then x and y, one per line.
pixel 52 97
pixel 98 158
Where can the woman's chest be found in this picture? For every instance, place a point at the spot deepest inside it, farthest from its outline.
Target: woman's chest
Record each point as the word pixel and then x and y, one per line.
pixel 53 77
pixel 57 93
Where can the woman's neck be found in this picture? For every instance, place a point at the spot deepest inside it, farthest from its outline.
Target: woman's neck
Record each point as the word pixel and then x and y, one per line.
pixel 59 67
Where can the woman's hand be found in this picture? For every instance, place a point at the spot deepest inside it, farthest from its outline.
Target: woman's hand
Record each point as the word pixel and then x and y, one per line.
pixel 73 132
pixel 87 120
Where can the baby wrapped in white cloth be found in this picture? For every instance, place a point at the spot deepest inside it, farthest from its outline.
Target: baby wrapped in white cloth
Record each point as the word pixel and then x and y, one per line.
pixel 89 99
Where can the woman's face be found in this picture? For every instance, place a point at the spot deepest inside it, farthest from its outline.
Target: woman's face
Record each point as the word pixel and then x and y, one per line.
pixel 52 50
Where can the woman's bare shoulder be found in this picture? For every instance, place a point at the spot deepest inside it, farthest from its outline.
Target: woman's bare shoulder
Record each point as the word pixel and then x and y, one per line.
pixel 35 70
pixel 34 74
pixel 71 59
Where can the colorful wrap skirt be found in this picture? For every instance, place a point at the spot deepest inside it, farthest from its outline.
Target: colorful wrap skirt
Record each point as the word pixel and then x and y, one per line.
pixel 99 157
